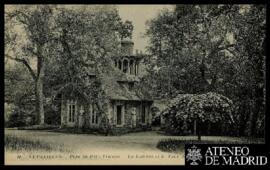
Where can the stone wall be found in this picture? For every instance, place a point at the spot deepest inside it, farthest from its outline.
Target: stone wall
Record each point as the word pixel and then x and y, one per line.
pixel 128 107
pixel 81 119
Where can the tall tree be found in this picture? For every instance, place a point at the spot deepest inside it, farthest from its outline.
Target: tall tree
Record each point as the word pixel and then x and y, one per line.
pixel 33 24
pixel 251 44
pixel 219 48
pixel 68 44
pixel 87 40
pixel 185 42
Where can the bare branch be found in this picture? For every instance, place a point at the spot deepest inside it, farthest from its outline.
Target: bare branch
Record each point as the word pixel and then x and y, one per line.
pixel 17 15
pixel 25 63
pixel 60 89
pixel 217 48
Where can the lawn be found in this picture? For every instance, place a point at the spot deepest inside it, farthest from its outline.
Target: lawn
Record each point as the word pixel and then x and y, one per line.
pixel 16 143
pixel 123 147
pixel 138 144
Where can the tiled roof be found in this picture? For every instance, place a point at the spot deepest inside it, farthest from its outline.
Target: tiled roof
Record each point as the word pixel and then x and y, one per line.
pixel 115 84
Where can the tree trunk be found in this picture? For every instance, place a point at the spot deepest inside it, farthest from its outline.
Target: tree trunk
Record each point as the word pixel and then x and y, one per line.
pixel 199 136
pixel 198 130
pixel 255 112
pixel 209 128
pixel 39 92
pixel 195 128
pixel 39 102
pixel 258 95
pixel 203 79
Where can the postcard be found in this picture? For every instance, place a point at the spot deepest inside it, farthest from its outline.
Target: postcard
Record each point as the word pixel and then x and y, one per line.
pixel 136 84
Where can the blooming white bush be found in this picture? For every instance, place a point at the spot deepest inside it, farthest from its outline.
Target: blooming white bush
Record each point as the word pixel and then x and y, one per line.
pixel 211 107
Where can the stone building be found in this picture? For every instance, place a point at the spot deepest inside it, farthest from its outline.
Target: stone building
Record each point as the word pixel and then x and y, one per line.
pixel 127 108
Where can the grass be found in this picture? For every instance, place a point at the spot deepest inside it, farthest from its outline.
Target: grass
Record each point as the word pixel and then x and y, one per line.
pixel 51 140
pixel 170 145
pixel 175 145
pixel 15 143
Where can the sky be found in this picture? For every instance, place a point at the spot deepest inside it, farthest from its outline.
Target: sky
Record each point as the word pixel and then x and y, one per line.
pixel 139 14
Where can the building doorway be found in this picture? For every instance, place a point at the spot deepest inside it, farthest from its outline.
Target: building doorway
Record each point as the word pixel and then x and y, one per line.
pixel 119 115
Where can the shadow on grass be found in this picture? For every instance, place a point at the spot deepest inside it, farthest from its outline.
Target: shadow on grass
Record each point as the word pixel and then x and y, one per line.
pixel 39 127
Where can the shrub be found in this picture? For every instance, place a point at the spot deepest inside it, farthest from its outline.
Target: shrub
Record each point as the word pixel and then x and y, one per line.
pixel 53 114
pixel 39 127
pixel 186 109
pixel 105 127
pixel 174 145
pixel 18 118
pixel 170 145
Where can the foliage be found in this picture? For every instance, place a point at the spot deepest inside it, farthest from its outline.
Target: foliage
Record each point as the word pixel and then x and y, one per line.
pixel 19 92
pixel 19 87
pixel 187 108
pixel 19 117
pixel 207 107
pixel 193 49
pixel 170 145
pixel 105 126
pixel 15 119
pixel 27 37
pixel 219 48
pixel 39 127
pixel 156 121
pixel 53 113
pixel 251 45
pixel 87 39
pixel 178 48
pixel 174 145
pixel 126 30
pixel 68 45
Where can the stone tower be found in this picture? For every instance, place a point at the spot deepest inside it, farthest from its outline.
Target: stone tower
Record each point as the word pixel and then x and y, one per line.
pixel 127 61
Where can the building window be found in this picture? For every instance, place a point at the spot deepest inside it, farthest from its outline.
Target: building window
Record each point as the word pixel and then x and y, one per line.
pixel 131 69
pixel 71 111
pixel 115 63
pixel 94 116
pixel 120 65
pixel 143 113
pixel 125 66
pixel 136 69
pixel 130 86
pixel 119 115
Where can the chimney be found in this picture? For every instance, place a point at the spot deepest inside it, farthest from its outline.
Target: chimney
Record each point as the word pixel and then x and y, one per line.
pixel 127 47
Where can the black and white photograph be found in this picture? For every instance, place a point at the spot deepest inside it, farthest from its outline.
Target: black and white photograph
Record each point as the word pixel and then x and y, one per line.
pixel 133 84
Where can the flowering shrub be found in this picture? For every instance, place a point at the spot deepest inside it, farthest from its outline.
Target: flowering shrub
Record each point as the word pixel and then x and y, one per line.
pixel 208 107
